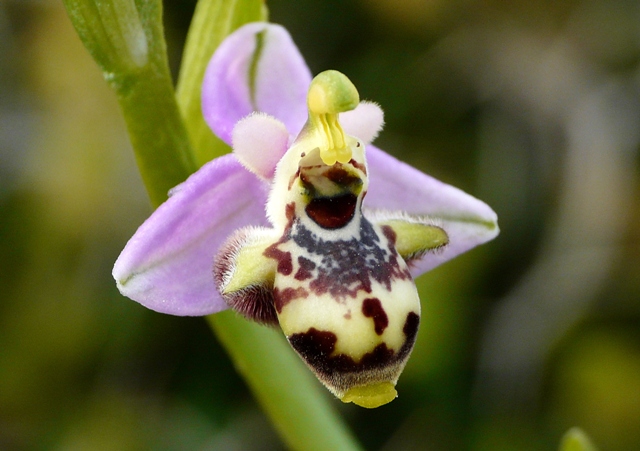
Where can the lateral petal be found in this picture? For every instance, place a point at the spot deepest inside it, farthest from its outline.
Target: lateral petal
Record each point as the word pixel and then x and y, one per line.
pixel 364 122
pixel 259 142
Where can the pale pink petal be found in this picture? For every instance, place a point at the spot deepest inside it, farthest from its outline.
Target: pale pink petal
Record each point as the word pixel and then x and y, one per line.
pixel 167 265
pixel 365 122
pixel 259 142
pixel 263 54
pixel 396 186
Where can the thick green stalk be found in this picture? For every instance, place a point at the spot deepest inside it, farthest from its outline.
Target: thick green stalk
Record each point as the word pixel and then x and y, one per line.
pixel 299 407
pixel 212 22
pixel 126 38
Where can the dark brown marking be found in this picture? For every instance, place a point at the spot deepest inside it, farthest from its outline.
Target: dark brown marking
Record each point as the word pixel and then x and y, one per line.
pixel 390 234
pixel 305 270
pixel 293 178
pixel 410 328
pixel 332 212
pixel 316 347
pixel 290 213
pixel 284 259
pixel 283 297
pixel 380 356
pixel 372 308
pixel 346 267
pixel 341 371
pixel 342 177
pixel 357 165
pixel 285 264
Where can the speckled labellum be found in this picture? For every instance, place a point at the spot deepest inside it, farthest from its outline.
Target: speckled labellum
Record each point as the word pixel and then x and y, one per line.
pixel 335 280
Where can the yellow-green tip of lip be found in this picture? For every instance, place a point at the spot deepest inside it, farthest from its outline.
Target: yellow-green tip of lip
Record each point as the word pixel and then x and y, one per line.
pixel 371 396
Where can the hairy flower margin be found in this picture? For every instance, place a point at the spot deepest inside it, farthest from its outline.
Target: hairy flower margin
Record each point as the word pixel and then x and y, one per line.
pixel 219 212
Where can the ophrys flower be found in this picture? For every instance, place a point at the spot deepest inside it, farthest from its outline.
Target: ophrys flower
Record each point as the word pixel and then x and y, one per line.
pixel 345 228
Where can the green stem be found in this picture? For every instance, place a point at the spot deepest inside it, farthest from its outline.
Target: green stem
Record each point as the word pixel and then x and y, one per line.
pixel 299 407
pixel 126 38
pixel 162 151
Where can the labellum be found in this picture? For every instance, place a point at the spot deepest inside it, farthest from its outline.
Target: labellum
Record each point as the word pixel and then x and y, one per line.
pixel 334 279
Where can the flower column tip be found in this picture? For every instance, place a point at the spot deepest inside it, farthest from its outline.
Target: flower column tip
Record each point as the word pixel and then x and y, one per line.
pixel 331 93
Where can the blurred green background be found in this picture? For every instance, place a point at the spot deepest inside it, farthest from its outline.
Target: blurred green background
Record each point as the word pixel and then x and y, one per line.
pixel 534 107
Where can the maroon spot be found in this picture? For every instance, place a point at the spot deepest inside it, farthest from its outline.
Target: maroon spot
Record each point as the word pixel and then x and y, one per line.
pixel 357 165
pixel 341 177
pixel 380 356
pixel 283 297
pixel 332 212
pixel 372 308
pixel 293 178
pixel 410 328
pixel 290 213
pixel 285 264
pixel 390 234
pixel 316 346
pixel 306 266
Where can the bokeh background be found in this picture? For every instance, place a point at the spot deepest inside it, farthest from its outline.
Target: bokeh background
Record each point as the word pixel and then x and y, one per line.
pixel 534 107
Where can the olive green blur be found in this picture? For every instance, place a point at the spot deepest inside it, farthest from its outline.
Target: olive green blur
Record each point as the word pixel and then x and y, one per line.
pixel 532 107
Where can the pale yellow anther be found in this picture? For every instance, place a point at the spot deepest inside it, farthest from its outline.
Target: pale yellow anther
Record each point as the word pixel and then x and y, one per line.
pixel 331 93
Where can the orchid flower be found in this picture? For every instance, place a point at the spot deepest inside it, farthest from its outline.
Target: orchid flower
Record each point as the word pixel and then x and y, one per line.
pixel 305 226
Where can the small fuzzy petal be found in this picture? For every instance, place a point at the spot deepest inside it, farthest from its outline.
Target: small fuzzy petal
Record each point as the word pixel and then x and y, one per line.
pixel 364 122
pixel 259 142
pixel 396 186
pixel 280 74
pixel 167 265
